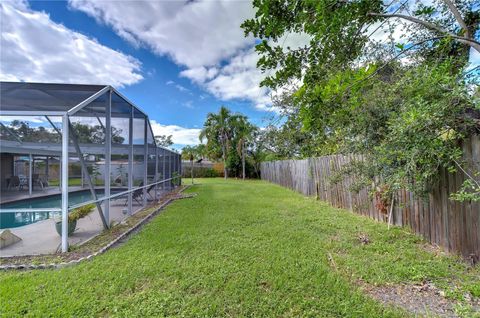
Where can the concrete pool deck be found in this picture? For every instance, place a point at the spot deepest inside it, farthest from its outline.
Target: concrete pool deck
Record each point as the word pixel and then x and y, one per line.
pixel 42 238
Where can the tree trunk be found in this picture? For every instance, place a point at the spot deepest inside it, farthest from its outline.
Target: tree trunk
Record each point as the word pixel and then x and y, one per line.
pixel 243 160
pixel 224 162
pixel 472 42
pixel 191 163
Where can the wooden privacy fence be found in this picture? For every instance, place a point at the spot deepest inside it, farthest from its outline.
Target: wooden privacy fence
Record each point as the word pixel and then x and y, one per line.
pixel 450 224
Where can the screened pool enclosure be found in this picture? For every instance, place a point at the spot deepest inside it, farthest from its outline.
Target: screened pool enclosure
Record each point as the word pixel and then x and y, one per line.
pixel 64 146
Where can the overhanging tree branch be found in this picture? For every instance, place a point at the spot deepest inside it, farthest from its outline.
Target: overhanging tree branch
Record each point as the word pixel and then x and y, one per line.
pixel 462 39
pixel 389 61
pixel 458 17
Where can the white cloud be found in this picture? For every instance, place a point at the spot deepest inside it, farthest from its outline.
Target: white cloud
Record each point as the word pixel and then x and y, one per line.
pixel 194 33
pixel 181 88
pixel 34 48
pixel 391 30
pixel 204 36
pixel 474 58
pixel 180 135
pixel 240 78
pixel 200 74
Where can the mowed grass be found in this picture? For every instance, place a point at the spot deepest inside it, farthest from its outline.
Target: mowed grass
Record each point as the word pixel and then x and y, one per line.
pixel 238 249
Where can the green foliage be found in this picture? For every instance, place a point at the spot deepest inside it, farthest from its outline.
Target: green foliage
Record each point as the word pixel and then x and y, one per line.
pixel 176 178
pixel 94 172
pixel 192 153
pixel 81 212
pixel 95 133
pixel 200 172
pixel 164 140
pixel 233 161
pixel 75 169
pixel 407 123
pixel 189 153
pixel 85 133
pixel 240 249
pixel 404 107
pixel 26 133
pixel 71 182
pixel 339 35
pixel 217 131
pixel 331 27
pixel 211 173
pixel 232 138
pixel 422 135
pixel 469 191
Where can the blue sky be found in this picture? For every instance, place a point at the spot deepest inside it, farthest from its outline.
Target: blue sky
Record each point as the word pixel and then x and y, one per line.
pixel 177 60
pixel 163 94
pixel 177 83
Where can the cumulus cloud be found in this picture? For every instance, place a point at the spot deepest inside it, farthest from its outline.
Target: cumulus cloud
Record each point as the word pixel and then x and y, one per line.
pixel 203 36
pixel 200 74
pixel 193 33
pixel 240 78
pixel 34 48
pixel 180 135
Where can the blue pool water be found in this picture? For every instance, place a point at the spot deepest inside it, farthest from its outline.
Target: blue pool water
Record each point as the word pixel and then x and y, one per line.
pixel 16 219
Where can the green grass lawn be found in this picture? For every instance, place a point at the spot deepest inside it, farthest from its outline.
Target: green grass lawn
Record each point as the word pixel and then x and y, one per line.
pixel 239 249
pixel 71 182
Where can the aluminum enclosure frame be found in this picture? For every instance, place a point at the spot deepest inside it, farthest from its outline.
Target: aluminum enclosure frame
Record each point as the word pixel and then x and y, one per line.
pixel 65 149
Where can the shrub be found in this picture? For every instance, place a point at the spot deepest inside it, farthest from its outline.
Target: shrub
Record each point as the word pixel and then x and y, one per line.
pixel 81 212
pixel 200 172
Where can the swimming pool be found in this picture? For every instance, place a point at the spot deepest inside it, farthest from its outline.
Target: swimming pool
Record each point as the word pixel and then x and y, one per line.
pixel 16 219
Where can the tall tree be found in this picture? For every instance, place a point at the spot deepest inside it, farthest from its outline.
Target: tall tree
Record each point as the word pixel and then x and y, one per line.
pixel 190 153
pixel 201 151
pixel 217 129
pixel 402 104
pixel 332 26
pixel 243 131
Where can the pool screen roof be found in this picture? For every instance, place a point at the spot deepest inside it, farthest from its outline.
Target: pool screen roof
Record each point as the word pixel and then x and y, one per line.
pixel 50 99
pixel 44 97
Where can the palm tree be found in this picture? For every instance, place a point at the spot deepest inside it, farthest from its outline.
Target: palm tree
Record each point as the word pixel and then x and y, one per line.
pixel 243 132
pixel 217 129
pixel 201 151
pixel 189 153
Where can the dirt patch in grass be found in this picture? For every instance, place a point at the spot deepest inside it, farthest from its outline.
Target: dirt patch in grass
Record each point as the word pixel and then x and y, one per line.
pixel 423 299
pixel 94 244
pixel 451 296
